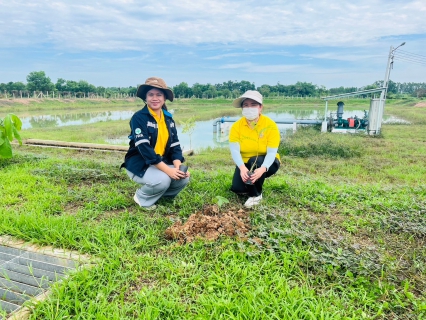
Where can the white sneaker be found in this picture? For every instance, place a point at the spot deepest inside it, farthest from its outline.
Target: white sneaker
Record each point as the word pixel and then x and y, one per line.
pixel 152 207
pixel 253 201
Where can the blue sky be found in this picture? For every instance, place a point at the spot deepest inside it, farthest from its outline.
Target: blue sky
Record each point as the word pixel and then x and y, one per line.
pixel 123 42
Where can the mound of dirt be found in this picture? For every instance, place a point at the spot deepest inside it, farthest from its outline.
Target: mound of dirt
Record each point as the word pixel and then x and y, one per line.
pixel 210 224
pixel 421 105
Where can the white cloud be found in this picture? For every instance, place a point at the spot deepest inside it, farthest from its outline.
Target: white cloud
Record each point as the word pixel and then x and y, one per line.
pixel 117 25
pixel 248 54
pixel 323 41
pixel 341 57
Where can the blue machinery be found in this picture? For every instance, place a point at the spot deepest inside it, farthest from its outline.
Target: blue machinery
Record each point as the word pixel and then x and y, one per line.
pixel 370 123
pixel 352 124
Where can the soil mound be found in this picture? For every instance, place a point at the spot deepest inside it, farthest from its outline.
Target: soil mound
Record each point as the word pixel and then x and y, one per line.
pixel 421 105
pixel 210 224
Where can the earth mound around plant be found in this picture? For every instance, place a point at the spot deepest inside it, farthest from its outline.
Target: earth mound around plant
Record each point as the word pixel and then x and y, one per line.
pixel 209 224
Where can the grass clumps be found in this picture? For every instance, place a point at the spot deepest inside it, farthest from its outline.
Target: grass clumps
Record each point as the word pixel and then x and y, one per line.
pixel 308 142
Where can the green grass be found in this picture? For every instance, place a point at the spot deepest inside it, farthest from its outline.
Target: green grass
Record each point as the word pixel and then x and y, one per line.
pixel 340 234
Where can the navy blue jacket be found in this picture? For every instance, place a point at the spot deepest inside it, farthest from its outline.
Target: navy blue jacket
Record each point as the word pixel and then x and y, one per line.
pixel 143 137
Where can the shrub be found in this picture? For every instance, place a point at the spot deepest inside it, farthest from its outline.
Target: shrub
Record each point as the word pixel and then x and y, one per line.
pixel 9 128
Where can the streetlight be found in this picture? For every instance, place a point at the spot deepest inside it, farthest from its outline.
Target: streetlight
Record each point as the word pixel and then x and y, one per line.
pixel 377 105
pixel 399 46
pixel 388 69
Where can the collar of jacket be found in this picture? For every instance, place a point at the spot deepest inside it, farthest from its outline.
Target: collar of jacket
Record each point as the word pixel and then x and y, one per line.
pixel 166 113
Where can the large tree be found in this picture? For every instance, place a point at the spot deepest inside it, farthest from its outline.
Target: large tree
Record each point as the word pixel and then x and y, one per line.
pixel 182 90
pixel 38 81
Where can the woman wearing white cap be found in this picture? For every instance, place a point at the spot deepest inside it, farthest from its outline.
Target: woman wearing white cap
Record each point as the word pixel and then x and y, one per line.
pixel 154 157
pixel 253 141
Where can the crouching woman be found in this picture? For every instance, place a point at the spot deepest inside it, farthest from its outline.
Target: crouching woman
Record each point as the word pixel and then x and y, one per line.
pixel 253 141
pixel 154 154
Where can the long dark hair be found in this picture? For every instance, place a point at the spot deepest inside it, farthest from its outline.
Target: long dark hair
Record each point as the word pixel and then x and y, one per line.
pixel 164 107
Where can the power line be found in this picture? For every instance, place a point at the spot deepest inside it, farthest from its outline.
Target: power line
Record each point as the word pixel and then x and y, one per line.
pixel 411 54
pixel 423 63
pixel 411 58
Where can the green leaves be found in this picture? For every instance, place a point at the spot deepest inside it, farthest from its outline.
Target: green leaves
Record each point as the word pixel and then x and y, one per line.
pixel 188 127
pixel 221 201
pixel 9 128
pixel 5 149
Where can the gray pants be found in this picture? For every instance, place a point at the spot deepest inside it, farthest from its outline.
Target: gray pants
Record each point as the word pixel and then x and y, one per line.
pixel 156 184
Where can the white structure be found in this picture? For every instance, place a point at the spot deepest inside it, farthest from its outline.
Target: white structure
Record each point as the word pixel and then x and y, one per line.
pixel 377 106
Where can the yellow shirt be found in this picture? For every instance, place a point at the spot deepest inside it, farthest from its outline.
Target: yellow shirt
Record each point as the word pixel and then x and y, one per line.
pixel 255 140
pixel 163 133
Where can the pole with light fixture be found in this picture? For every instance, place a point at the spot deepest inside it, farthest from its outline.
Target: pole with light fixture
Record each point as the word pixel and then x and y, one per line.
pixel 377 106
pixel 388 69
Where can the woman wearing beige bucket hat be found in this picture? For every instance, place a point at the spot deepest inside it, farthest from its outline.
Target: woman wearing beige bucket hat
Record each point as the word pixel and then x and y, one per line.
pixel 253 141
pixel 154 159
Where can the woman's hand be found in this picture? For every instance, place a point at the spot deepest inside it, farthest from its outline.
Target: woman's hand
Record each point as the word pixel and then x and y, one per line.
pixel 257 174
pixel 173 173
pixel 244 173
pixel 176 174
pixel 177 165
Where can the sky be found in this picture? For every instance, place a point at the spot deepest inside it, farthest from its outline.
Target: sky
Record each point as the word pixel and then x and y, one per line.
pixel 120 43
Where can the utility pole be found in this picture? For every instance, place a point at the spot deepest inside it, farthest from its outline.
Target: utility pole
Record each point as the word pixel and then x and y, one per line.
pixel 377 106
pixel 388 69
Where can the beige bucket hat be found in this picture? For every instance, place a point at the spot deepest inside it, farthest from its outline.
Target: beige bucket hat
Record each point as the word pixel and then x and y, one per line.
pixel 249 94
pixel 154 82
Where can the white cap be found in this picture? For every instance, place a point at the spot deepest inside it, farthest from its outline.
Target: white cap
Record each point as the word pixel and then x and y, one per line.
pixel 249 94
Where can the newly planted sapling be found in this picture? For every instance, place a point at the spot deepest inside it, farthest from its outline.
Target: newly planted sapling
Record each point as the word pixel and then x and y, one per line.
pixel 9 128
pixel 188 127
pixel 254 165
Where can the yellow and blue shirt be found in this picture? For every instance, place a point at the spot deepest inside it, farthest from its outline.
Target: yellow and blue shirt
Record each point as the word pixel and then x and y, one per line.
pixel 254 140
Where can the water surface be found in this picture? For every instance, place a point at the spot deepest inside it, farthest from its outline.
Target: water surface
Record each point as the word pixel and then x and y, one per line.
pixel 202 135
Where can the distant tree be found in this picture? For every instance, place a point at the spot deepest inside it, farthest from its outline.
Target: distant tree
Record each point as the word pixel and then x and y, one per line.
pixel 72 86
pixel 100 90
pixel 420 93
pixel 38 81
pixel 236 93
pixel 15 86
pixel 246 85
pixel 86 87
pixel 182 90
pixel 197 90
pixel 265 90
pixel 321 91
pixel 60 84
pixel 303 89
pixel 226 93
pixel 132 90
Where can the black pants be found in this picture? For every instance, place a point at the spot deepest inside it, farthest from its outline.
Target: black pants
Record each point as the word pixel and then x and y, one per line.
pixel 253 190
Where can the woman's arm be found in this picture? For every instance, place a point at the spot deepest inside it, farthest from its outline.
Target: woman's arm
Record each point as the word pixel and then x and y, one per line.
pixel 269 158
pixel 235 153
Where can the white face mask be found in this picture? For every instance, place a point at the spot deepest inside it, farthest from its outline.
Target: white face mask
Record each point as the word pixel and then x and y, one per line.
pixel 250 113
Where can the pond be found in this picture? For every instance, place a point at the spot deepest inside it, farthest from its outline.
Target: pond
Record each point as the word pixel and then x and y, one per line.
pixel 202 136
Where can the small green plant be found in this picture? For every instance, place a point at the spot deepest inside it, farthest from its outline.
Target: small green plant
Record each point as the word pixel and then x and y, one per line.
pixel 188 127
pixel 259 135
pixel 9 128
pixel 221 201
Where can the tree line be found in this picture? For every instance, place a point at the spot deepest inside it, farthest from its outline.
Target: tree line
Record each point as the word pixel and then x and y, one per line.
pixel 38 81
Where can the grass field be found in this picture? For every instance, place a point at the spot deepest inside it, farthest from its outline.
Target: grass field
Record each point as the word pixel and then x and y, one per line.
pixel 340 234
